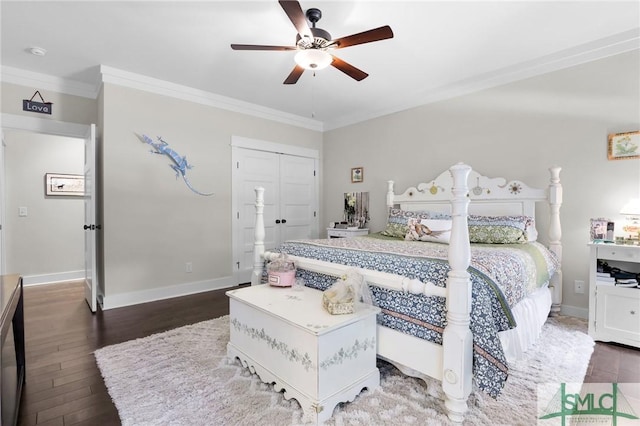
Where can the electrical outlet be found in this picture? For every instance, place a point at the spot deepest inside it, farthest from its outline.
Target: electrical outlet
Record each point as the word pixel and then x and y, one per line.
pixel 188 267
pixel 579 286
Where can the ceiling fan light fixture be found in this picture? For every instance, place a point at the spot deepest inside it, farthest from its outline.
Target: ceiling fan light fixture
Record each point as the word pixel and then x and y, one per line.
pixel 313 59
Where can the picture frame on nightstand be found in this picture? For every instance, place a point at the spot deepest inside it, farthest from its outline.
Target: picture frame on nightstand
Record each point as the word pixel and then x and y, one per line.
pixel 601 229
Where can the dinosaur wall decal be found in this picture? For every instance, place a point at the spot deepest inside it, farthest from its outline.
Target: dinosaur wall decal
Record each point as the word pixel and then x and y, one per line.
pixel 178 163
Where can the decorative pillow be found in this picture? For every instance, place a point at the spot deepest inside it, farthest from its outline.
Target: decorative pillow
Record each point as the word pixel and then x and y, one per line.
pixel 500 229
pixel 436 230
pixel 397 222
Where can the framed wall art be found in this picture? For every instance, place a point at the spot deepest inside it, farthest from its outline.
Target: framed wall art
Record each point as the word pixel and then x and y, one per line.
pixel 623 146
pixel 56 184
pixel 357 174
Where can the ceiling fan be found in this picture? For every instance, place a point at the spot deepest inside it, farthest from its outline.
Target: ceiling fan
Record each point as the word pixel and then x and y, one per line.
pixel 314 44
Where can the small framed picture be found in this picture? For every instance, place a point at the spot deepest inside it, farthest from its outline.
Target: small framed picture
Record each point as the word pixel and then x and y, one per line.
pixel 357 174
pixel 63 185
pixel 623 146
pixel 599 229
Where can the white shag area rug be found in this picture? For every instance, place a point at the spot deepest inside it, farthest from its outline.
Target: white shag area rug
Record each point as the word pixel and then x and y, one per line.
pixel 183 377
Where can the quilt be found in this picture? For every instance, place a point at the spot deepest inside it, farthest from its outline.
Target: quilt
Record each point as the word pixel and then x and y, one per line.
pixel 501 276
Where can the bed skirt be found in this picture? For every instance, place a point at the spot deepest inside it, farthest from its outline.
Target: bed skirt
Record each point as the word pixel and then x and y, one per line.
pixel 530 314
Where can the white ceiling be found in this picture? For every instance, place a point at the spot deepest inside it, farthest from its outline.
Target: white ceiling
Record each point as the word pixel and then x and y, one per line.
pixel 440 49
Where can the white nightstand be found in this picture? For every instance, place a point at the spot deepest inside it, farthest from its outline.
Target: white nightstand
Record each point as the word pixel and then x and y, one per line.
pixel 346 233
pixel 614 311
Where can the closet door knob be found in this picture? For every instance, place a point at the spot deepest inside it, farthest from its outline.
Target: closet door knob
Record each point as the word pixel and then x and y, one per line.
pixel 284 220
pixel 277 220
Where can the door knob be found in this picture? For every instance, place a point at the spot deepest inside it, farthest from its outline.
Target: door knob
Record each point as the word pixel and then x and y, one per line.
pixel 277 220
pixel 284 220
pixel 87 227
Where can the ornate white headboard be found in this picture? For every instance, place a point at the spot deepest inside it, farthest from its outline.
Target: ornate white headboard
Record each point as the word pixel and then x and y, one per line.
pixel 488 196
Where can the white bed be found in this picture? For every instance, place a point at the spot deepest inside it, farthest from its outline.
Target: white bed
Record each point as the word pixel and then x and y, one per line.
pixel 458 191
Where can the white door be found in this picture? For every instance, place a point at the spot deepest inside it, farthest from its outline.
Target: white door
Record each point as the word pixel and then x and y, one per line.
pixel 90 275
pixel 289 197
pixel 297 197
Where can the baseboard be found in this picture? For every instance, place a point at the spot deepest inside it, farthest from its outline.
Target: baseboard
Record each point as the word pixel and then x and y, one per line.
pixel 151 295
pixel 574 311
pixel 55 277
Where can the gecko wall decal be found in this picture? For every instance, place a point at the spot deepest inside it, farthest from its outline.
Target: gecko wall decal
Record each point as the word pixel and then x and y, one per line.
pixel 178 163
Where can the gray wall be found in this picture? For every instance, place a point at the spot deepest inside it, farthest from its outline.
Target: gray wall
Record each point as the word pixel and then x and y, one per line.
pixel 153 224
pixel 49 241
pixel 515 131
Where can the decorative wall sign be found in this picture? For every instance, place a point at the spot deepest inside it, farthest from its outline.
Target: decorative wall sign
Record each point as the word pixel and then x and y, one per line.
pixel 39 107
pixel 624 146
pixel 178 163
pixel 61 184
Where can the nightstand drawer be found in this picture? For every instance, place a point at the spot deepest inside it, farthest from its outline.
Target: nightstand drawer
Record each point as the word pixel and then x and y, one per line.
pixel 619 312
pixel 346 233
pixel 621 253
pixel 339 233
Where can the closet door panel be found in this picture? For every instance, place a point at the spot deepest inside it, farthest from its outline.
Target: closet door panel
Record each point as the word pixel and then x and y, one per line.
pixel 297 197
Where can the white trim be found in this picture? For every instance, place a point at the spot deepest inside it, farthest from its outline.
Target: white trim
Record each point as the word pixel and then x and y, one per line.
pixel 56 277
pixel 278 148
pixel 41 125
pixel 574 311
pixel 48 82
pixel 161 87
pixel 151 295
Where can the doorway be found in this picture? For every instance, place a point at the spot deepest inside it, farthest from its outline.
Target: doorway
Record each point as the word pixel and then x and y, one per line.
pixel 42 235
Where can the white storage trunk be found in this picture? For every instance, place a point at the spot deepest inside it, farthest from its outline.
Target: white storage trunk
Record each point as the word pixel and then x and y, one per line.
pixel 287 338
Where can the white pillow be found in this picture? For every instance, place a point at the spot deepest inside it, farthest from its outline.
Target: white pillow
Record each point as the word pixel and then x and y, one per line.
pixel 435 230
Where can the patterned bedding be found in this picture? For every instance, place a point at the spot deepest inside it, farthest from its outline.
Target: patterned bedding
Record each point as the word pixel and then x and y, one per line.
pixel 501 276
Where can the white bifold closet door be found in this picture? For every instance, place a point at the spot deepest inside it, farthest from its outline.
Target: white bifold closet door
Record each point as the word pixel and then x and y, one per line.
pixel 290 200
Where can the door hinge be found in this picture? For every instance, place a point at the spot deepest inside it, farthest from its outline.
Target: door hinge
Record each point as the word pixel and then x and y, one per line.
pixel 314 172
pixel 237 165
pixel 238 215
pixel 238 265
pixel 314 214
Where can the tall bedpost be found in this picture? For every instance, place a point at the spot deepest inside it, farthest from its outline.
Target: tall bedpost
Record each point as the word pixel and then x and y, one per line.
pixel 555 236
pixel 457 340
pixel 389 194
pixel 259 235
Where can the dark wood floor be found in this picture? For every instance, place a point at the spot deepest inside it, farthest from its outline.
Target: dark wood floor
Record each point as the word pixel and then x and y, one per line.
pixel 64 385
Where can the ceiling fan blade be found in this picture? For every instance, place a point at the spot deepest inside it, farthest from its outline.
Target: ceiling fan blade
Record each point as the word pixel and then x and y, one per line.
pixel 260 47
pixel 376 34
pixel 296 15
pixel 348 69
pixel 295 75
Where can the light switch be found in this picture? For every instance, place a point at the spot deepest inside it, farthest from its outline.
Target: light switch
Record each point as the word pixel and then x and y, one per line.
pixel 22 211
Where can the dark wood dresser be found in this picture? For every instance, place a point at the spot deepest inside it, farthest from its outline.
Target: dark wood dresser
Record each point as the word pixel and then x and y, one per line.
pixel 12 356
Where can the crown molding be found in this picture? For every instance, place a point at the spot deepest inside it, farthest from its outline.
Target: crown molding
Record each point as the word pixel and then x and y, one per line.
pixel 140 82
pixel 599 49
pixel 46 82
pixel 161 87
